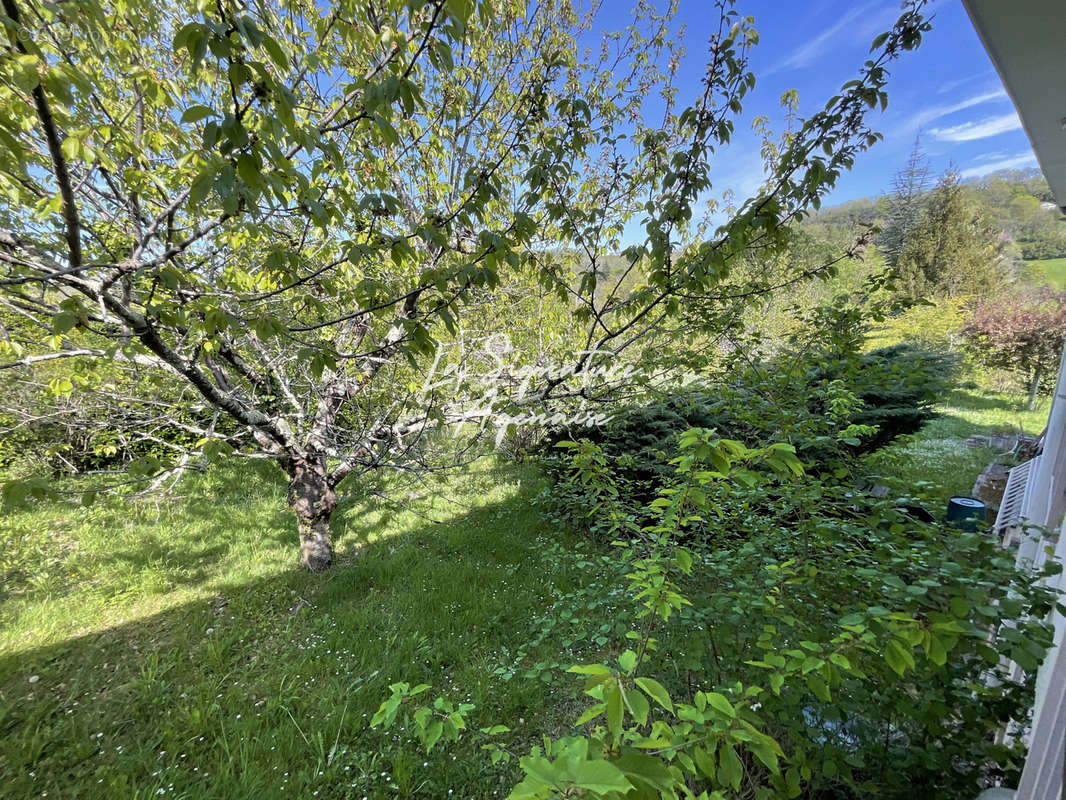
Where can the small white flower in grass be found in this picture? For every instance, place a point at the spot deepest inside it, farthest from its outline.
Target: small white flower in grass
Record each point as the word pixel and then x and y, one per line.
pixel 34 678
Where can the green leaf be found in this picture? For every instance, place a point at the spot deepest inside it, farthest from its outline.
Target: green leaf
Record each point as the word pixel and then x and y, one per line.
pixel 840 660
pixel 818 687
pixel 614 711
pixel 63 322
pixel 638 707
pixel 766 751
pixel 71 147
pixel 588 669
pixel 196 113
pixel 627 661
pixel 720 704
pixel 591 713
pixel 705 762
pixel 433 733
pixel 277 55
pixel 898 657
pixel 599 776
pixel 60 386
pixel 644 769
pixel 936 652
pixel 730 770
pixel 459 10
pixel 539 768
pixel 656 691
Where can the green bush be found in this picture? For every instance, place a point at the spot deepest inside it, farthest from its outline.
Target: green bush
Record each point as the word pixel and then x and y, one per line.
pixel 839 650
pixel 898 385
pixel 830 408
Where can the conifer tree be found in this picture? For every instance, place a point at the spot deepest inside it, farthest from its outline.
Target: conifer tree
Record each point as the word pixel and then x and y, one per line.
pixel 952 250
pixel 910 188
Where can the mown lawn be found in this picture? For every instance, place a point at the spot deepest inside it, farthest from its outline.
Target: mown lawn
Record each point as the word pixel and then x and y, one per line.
pixel 1054 269
pixel 937 461
pixel 174 649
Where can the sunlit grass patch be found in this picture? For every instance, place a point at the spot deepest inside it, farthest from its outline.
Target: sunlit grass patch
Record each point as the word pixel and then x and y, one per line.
pixel 177 650
pixel 939 455
pixel 1053 270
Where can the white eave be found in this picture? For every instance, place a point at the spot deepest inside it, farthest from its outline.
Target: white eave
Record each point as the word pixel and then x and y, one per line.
pixel 1026 40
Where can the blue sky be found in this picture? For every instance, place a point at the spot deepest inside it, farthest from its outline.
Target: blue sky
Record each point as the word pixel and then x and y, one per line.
pixel 947 89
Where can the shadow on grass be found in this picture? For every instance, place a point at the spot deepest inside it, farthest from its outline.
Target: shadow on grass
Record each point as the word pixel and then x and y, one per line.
pixel 265 689
pixel 937 459
pixel 948 425
pixel 963 398
pixel 218 521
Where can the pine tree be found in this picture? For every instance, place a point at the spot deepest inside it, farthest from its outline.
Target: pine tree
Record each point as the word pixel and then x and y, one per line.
pixel 910 189
pixel 952 250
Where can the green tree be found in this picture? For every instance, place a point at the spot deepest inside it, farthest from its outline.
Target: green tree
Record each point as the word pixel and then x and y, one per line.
pixel 906 203
pixel 952 250
pixel 281 209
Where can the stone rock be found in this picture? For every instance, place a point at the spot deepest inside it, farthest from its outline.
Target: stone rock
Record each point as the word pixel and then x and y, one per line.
pixel 991 484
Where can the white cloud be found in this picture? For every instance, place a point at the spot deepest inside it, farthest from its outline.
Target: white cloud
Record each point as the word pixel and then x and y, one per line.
pixel 816 47
pixel 951 86
pixel 1009 162
pixel 922 118
pixel 980 129
pixel 744 174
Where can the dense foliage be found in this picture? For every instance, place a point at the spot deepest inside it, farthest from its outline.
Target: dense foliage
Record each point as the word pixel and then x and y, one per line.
pixel 361 239
pixel 1023 331
pixel 795 399
pixel 1016 204
pixel 816 642
pixel 952 249
pixel 188 195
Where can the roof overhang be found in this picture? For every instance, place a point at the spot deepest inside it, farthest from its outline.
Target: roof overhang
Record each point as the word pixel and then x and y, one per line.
pixel 1026 40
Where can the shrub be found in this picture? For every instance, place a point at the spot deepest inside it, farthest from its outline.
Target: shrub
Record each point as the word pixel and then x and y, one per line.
pixel 898 386
pixel 842 650
pixel 830 408
pixel 1023 332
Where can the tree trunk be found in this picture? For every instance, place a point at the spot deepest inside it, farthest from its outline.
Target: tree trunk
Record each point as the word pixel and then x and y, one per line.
pixel 1034 388
pixel 313 500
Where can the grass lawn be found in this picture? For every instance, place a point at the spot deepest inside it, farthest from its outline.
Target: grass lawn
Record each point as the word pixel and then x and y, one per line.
pixel 937 461
pixel 1053 268
pixel 175 649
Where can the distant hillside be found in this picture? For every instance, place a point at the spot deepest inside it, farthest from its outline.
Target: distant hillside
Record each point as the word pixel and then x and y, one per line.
pixel 1017 202
pixel 1048 270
